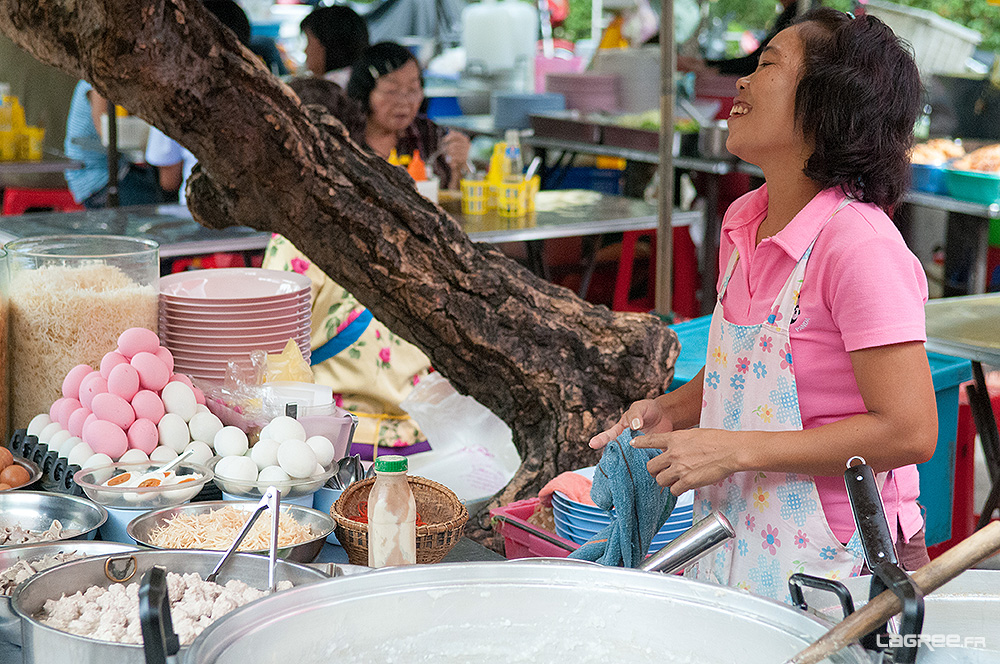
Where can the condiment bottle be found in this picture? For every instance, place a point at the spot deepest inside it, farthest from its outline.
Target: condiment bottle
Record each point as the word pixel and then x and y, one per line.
pixel 392 515
pixel 513 162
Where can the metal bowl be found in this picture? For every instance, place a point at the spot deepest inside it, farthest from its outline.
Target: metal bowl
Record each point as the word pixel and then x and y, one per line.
pixel 34 472
pixel 35 510
pixel 45 645
pixel 141 528
pixel 10 623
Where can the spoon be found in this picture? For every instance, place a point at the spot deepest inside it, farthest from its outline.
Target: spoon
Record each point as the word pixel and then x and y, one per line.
pixel 173 463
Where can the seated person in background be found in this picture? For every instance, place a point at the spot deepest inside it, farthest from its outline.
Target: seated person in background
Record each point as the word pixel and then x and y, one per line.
pixel 89 184
pixel 370 369
pixel 386 81
pixel 335 37
pixel 173 159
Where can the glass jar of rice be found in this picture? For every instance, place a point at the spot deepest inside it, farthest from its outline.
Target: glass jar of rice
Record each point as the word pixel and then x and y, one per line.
pixel 4 403
pixel 70 297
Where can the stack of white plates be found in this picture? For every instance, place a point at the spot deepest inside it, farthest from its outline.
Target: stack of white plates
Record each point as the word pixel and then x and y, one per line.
pixel 579 522
pixel 211 317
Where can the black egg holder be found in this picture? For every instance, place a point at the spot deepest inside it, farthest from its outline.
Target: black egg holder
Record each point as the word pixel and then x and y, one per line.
pixel 57 472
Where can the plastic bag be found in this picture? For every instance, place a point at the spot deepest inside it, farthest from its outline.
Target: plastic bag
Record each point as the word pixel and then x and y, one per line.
pixel 472 450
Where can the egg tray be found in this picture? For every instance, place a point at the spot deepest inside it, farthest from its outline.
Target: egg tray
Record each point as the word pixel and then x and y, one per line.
pixel 57 473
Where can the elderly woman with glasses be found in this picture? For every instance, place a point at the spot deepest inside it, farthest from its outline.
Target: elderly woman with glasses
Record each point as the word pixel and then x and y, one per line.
pixel 386 81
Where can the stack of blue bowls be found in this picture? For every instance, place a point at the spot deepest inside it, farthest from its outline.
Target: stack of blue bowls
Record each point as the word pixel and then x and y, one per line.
pixel 579 522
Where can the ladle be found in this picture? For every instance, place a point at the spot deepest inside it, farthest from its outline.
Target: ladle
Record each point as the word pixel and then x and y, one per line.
pixel 271 499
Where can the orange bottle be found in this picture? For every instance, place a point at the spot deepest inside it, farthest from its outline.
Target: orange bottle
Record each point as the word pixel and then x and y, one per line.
pixel 416 168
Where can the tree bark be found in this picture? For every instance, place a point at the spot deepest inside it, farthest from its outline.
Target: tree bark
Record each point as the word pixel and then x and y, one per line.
pixel 554 367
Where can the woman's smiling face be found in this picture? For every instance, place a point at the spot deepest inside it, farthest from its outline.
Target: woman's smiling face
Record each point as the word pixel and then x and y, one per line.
pixel 762 126
pixel 396 99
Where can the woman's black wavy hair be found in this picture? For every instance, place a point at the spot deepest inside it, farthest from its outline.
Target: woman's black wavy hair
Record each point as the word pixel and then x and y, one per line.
pixel 857 99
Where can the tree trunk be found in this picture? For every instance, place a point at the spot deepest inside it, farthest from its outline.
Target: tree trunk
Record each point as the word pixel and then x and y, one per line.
pixel 554 367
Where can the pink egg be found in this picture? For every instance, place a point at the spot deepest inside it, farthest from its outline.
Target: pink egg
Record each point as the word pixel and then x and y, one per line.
pixel 124 381
pixel 147 405
pixel 91 386
pixel 182 378
pixel 54 409
pixel 142 435
pixel 71 383
pixel 137 340
pixel 105 437
pixel 87 420
pixel 153 373
pixel 110 361
pixel 67 408
pixel 77 419
pixel 113 408
pixel 165 356
pixel 199 396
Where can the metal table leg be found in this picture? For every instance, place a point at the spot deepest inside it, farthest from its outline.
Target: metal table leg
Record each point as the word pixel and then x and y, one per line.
pixel 989 437
pixel 710 244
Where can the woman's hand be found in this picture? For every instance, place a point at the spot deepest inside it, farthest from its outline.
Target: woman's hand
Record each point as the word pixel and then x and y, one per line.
pixel 691 458
pixel 646 416
pixel 455 146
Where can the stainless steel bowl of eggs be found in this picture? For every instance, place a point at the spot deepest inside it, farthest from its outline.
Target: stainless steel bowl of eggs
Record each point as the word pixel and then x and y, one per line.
pixel 142 485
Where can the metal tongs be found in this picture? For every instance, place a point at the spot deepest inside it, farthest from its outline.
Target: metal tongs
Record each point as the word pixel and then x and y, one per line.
pixel 271 499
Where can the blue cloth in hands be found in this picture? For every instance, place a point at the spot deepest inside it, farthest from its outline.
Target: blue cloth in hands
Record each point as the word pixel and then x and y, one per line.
pixel 641 506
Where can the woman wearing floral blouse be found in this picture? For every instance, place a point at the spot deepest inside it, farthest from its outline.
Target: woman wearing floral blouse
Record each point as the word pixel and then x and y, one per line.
pixel 370 369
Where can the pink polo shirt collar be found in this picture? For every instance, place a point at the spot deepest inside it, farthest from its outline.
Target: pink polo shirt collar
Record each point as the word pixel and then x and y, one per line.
pixel 741 226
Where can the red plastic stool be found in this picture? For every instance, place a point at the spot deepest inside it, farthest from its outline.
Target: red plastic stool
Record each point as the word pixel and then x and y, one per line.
pixel 685 283
pixel 963 510
pixel 18 201
pixel 220 259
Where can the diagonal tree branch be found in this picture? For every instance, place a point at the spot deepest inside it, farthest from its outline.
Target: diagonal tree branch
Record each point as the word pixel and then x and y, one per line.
pixel 554 367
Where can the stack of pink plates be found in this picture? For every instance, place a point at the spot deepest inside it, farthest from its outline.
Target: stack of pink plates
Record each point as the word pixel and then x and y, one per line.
pixel 211 317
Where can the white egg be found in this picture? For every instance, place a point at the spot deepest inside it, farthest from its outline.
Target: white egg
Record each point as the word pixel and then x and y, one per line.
pixel 310 487
pixel 79 455
pixel 134 456
pixel 202 408
pixel 173 432
pixel 323 449
pixel 296 458
pixel 286 428
pixel 100 467
pixel 162 454
pixel 37 423
pixel 265 453
pixel 67 447
pixel 51 429
pixel 230 441
pixel 57 440
pixel 273 476
pixel 126 479
pixel 238 473
pixel 204 426
pixel 179 399
pixel 202 452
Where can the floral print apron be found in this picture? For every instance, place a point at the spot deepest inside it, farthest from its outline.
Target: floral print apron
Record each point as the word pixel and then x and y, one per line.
pixel 779 521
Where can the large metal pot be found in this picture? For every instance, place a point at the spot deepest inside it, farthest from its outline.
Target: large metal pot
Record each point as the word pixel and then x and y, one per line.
pixel 42 644
pixel 968 606
pixel 512 612
pixel 10 623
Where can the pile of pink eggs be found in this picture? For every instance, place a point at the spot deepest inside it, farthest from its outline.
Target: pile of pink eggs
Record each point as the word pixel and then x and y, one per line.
pixel 132 409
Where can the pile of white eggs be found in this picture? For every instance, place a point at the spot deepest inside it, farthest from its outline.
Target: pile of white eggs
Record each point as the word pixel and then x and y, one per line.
pixel 284 455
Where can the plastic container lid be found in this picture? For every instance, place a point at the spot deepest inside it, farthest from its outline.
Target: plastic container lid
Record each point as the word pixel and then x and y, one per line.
pixel 391 463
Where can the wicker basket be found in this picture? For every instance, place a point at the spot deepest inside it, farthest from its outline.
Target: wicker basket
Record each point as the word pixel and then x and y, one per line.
pixel 443 514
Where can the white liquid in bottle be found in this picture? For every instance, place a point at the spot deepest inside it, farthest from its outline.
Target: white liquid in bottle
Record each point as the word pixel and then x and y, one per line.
pixel 392 515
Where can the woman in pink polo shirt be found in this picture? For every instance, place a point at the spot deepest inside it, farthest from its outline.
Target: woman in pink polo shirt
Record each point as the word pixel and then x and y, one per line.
pixel 816 345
